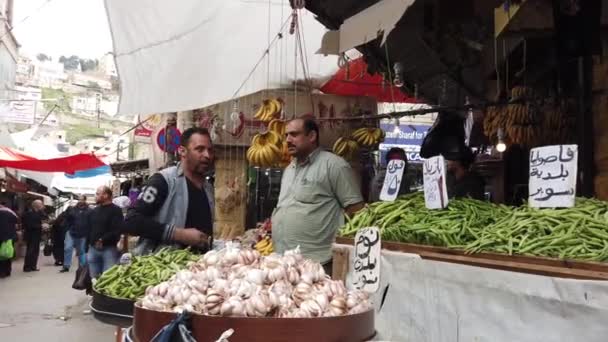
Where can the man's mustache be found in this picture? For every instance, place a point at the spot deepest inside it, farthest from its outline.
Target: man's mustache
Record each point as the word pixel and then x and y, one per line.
pixel 290 145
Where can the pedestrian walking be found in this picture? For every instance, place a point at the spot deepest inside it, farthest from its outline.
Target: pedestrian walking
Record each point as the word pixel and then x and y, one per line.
pixel 106 223
pixel 78 224
pixel 32 228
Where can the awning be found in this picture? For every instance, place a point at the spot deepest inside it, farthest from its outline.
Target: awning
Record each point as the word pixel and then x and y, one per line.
pixel 9 154
pixel 354 80
pixel 189 54
pixel 46 200
pixel 15 160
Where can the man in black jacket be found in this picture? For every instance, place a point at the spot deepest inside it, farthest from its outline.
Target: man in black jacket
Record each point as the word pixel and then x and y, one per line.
pixel 106 224
pixel 8 221
pixel 32 227
pixel 77 221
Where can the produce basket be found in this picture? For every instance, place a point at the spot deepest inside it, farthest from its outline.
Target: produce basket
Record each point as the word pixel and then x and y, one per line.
pixel 113 311
pixel 351 328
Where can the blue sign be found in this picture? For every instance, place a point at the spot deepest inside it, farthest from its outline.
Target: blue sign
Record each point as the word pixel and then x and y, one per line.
pixel 408 137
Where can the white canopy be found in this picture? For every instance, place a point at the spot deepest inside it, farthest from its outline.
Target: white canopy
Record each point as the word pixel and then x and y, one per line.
pixel 187 54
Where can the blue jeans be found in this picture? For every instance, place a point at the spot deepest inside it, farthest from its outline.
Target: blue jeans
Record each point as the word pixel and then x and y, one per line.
pixel 100 260
pixel 72 243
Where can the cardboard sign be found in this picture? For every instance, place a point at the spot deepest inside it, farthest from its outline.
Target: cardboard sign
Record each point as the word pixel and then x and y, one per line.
pixel 366 261
pixel 392 180
pixel 553 176
pixel 435 189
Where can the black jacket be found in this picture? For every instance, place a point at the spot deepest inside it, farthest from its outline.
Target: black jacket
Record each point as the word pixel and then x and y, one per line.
pixel 78 221
pixel 8 221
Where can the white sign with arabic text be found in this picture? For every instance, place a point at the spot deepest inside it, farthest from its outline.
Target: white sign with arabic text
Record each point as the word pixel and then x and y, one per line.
pixel 435 189
pixel 553 172
pixel 392 180
pixel 366 261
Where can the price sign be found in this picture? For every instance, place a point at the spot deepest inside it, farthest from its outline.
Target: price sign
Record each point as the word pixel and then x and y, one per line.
pixel 435 190
pixel 392 180
pixel 366 264
pixel 553 176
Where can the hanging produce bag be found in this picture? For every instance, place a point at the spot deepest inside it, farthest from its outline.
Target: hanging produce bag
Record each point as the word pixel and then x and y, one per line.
pixel 176 331
pixel 83 279
pixel 446 137
pixel 7 251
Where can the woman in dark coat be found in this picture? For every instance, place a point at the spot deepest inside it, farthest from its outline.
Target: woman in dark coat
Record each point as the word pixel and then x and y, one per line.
pixel 8 231
pixel 58 230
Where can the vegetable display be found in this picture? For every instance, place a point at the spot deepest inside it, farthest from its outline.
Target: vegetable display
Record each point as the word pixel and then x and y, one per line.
pixel 580 232
pixel 130 281
pixel 236 282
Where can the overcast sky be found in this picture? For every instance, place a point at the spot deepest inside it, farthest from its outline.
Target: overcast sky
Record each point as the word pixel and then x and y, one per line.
pixel 62 27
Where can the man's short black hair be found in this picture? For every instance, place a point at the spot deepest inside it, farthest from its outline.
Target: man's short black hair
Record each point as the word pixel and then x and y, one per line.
pixel 396 151
pixel 185 139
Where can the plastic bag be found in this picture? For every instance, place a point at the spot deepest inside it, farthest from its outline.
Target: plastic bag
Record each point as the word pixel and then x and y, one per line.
pixel 176 331
pixel 82 281
pixel 7 250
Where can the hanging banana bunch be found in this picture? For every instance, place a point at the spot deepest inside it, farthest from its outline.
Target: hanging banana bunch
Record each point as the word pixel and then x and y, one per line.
pixel 270 109
pixel 278 126
pixel 265 150
pixel 368 136
pixel 346 148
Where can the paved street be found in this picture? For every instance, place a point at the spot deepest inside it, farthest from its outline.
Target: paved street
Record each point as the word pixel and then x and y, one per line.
pixel 42 306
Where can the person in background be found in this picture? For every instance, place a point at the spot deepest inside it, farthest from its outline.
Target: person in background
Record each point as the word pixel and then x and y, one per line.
pixel 176 205
pixel 394 153
pixel 58 231
pixel 32 227
pixel 106 223
pixel 317 188
pixel 8 231
pixel 461 180
pixel 78 229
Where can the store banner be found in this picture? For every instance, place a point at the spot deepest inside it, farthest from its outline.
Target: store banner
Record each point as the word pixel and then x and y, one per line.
pixel 408 137
pixel 433 301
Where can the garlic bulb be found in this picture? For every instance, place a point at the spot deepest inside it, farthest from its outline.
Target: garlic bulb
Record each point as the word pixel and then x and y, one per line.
pixel 239 282
pixel 211 258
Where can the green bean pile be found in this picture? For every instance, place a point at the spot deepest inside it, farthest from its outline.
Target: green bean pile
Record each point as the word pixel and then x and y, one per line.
pixel 474 226
pixel 130 281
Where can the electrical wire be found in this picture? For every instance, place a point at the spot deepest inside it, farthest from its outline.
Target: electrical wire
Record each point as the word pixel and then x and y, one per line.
pixel 25 18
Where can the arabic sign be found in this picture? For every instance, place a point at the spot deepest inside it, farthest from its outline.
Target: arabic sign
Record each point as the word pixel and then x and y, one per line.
pixel 392 180
pixel 433 176
pixel 366 261
pixel 553 176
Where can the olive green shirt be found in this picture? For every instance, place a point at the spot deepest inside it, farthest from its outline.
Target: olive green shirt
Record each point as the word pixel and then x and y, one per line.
pixel 311 204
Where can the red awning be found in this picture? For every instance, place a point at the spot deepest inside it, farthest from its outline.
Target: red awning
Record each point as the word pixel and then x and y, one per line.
pixel 15 160
pixel 360 83
pixel 8 154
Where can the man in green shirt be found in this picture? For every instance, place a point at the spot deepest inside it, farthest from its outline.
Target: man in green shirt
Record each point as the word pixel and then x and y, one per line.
pixel 316 189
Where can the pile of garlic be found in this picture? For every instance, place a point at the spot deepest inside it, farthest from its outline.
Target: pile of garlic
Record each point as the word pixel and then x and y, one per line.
pixel 235 282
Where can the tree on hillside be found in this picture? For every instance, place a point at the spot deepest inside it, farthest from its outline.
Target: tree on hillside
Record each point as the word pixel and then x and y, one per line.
pixel 89 64
pixel 43 57
pixel 70 63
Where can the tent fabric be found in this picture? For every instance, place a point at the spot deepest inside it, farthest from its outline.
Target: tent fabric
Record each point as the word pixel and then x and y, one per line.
pixel 182 55
pixel 69 164
pixel 354 80
pixel 91 172
pixel 8 154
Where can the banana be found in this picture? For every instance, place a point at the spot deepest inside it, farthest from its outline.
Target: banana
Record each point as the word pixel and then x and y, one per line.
pixel 260 112
pixel 337 145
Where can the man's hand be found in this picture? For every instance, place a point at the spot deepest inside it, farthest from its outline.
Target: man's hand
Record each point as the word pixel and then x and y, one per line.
pixel 191 237
pixel 99 244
